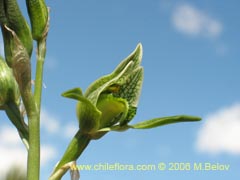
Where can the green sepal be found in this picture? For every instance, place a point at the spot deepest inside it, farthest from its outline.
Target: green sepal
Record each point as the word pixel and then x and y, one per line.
pixel 75 93
pixel 88 115
pixel 164 121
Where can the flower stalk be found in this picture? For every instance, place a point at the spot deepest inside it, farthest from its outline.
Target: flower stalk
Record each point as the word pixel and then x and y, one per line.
pixel 78 144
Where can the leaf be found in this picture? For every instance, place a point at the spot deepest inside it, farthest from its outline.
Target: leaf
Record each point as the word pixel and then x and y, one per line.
pixel 164 121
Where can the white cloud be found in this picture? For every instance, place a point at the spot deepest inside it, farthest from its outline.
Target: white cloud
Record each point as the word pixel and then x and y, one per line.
pixel 9 135
pixel 221 132
pixel 13 152
pixel 48 153
pixel 70 130
pixel 189 20
pixel 49 122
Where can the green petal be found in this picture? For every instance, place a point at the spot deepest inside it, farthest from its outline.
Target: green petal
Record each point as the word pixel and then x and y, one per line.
pixel 75 93
pixel 88 115
pixel 164 121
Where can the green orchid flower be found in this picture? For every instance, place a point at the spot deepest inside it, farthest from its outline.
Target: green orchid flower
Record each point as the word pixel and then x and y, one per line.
pixel 109 104
pixel 111 100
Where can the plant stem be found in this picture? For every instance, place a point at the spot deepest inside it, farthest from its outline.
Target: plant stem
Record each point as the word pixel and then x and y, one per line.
pixel 34 135
pixel 34 116
pixel 74 150
pixel 34 112
pixel 41 46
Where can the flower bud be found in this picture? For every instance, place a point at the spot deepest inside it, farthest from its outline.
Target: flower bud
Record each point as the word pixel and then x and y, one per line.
pixel 13 19
pixel 8 86
pixel 38 13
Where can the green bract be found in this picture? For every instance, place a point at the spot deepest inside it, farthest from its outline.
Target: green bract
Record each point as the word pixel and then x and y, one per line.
pixel 14 26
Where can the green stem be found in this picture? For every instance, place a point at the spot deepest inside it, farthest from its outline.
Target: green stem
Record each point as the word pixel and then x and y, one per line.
pixel 74 150
pixel 34 135
pixel 41 46
pixel 34 112
pixel 34 116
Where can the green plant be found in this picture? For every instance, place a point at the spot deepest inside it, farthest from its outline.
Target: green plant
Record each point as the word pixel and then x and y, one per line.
pixel 109 104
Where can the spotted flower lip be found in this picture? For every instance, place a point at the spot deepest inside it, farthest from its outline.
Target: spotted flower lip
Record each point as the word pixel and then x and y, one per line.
pixel 111 101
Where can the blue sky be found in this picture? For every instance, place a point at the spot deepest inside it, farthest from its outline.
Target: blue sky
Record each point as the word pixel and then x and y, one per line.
pixel 191 66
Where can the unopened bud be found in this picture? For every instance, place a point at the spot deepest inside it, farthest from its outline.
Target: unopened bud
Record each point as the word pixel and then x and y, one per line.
pixel 38 13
